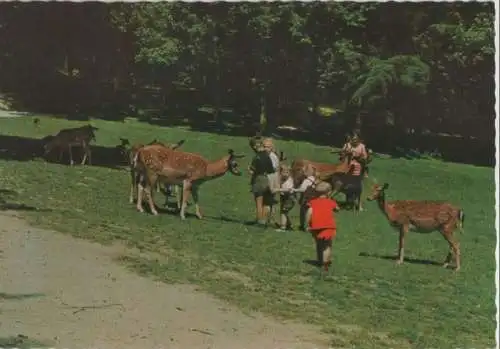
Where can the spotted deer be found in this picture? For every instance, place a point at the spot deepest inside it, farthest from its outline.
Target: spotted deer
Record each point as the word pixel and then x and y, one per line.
pixel 69 138
pixel 421 217
pixel 324 171
pixel 130 153
pixel 156 163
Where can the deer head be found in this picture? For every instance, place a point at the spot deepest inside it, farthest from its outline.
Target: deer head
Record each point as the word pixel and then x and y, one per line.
pixel 232 164
pixel 345 156
pixel 378 191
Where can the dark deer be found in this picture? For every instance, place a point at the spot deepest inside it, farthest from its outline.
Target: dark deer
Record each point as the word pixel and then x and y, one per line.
pixel 72 137
pixel 421 217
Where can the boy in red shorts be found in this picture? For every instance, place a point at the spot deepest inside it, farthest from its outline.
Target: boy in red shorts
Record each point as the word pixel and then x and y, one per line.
pixel 321 222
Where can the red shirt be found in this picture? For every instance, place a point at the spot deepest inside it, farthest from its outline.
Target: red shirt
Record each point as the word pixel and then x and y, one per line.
pixel 322 213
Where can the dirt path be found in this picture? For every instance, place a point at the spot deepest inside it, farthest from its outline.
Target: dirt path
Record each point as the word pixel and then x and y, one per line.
pixel 78 297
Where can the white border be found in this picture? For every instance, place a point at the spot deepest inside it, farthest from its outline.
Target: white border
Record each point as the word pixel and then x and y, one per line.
pixel 497 173
pixel 497 129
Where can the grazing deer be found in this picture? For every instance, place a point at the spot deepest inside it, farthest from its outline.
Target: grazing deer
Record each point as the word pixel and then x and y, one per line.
pixel 422 217
pixel 157 163
pixel 80 136
pixel 130 154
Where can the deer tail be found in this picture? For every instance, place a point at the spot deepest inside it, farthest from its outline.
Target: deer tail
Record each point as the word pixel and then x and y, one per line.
pixel 461 219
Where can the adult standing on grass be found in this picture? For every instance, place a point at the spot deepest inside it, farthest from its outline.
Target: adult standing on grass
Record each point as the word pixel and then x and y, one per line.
pixel 260 167
pixel 321 223
pixel 358 150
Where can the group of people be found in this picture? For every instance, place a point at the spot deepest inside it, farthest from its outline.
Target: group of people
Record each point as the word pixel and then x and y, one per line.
pixel 269 177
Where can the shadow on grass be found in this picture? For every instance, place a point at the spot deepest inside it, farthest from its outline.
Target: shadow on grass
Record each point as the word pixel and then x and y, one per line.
pixel 22 342
pixel 11 206
pixel 28 149
pixel 406 259
pixel 18 297
pixel 312 262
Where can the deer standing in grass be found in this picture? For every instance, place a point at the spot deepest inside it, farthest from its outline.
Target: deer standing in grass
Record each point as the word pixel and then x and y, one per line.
pixel 156 163
pixel 421 217
pixel 324 171
pixel 130 154
pixel 72 137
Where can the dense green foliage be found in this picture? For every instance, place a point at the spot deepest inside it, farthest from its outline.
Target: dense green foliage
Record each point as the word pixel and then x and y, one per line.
pixel 422 66
pixel 367 301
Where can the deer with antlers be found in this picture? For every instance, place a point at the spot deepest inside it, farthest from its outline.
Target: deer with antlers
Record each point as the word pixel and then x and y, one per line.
pixel 130 153
pixel 421 217
pixel 69 138
pixel 157 163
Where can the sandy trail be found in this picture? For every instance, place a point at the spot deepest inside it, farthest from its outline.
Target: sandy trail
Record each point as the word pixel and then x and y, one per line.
pixel 77 296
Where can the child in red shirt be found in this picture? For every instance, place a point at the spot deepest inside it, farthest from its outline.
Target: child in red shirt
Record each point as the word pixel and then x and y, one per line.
pixel 321 222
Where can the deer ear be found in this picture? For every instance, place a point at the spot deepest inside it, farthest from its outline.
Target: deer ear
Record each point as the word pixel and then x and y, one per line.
pixel 385 186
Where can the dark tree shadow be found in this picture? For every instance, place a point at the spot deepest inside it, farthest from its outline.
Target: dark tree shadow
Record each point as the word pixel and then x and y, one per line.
pixel 26 149
pixel 17 297
pixel 12 206
pixel 312 262
pixel 22 342
pixel 406 259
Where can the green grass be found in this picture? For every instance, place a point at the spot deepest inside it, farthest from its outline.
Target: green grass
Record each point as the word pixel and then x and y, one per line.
pixel 367 302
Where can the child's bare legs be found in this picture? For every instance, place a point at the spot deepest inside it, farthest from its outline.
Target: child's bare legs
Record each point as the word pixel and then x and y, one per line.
pixel 327 254
pixel 259 209
pixel 324 252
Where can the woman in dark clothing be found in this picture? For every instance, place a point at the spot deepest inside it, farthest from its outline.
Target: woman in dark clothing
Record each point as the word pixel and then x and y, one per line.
pixel 260 167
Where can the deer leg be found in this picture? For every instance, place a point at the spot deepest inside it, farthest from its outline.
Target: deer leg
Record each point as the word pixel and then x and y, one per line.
pixel 133 185
pixel 454 249
pixel 140 191
pixel 402 232
pixel 149 193
pixel 71 162
pixel 85 151
pixel 178 195
pixel 186 190
pixel 196 196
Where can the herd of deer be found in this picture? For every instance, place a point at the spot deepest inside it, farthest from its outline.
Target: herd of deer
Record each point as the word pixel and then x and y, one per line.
pixel 156 163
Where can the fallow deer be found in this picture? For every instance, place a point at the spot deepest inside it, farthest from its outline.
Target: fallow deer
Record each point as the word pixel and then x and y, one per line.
pixel 80 136
pixel 134 176
pixel 157 163
pixel 324 171
pixel 421 217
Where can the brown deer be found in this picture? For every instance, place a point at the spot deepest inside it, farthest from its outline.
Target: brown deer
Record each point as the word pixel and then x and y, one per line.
pixel 129 154
pixel 72 137
pixel 324 171
pixel 421 217
pixel 157 163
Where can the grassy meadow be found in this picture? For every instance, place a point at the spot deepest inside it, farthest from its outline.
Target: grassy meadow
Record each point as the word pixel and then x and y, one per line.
pixel 367 301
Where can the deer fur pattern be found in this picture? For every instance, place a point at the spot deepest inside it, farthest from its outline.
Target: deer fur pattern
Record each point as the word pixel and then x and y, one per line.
pixel 134 176
pixel 421 217
pixel 156 163
pixel 324 171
